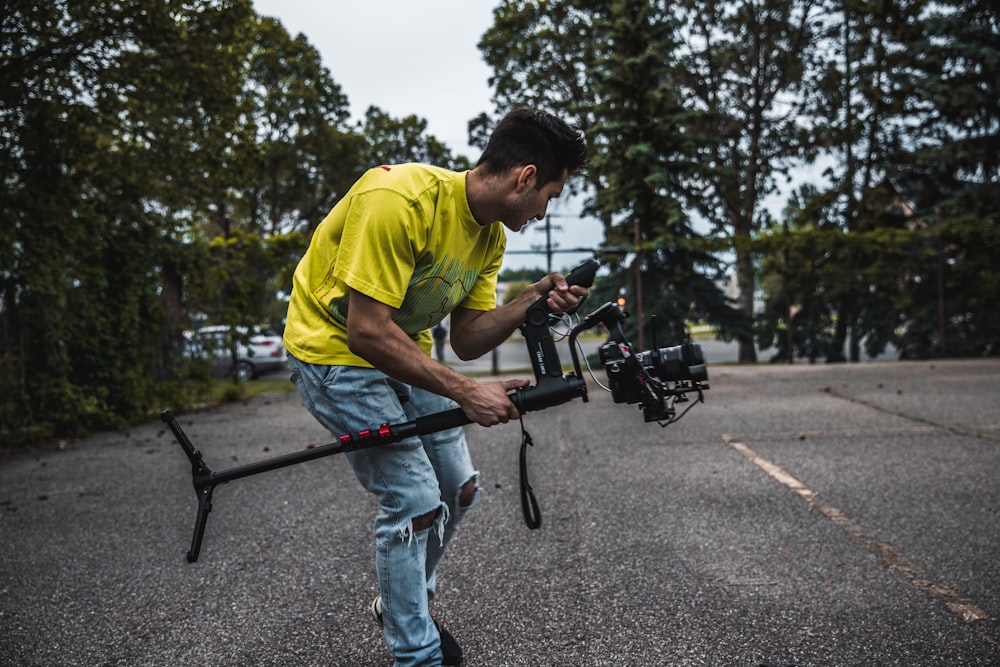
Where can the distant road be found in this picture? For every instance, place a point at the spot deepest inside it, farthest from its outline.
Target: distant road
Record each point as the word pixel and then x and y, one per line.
pixel 513 355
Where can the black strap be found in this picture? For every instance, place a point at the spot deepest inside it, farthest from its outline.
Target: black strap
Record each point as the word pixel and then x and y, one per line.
pixel 529 506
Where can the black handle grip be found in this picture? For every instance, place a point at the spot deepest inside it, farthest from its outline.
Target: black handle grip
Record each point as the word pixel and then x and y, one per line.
pixel 584 274
pixel 433 423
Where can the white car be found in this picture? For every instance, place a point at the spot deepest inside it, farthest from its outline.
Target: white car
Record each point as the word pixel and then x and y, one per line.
pixel 265 351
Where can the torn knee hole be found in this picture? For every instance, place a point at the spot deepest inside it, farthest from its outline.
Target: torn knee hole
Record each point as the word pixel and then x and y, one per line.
pixel 467 493
pixel 425 521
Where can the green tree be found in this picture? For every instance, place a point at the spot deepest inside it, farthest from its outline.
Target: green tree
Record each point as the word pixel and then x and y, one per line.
pixel 907 106
pixel 951 171
pixel 150 154
pixel 304 154
pixel 644 156
pixel 808 254
pixel 395 141
pixel 542 54
pixel 864 118
pixel 522 275
pixel 183 126
pixel 744 69
pixel 952 80
pixel 77 251
pixel 612 67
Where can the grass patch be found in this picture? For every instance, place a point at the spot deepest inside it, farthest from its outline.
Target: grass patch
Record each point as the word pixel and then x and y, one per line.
pixel 230 392
pixel 702 331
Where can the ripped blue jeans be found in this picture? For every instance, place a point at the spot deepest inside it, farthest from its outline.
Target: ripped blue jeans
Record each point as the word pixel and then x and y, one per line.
pixel 410 478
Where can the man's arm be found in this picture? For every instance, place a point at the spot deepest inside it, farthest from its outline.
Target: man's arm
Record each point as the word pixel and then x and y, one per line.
pixel 476 332
pixel 376 338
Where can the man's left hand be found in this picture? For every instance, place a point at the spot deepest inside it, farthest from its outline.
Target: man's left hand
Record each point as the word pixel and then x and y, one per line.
pixel 562 297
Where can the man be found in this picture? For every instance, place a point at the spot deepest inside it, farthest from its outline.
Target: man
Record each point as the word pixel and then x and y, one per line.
pixel 406 246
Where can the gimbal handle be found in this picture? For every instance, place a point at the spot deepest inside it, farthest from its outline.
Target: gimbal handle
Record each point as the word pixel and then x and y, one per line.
pixel 551 389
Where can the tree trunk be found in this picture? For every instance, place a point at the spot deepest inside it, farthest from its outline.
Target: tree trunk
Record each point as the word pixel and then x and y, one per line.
pixel 746 282
pixel 845 314
pixel 173 342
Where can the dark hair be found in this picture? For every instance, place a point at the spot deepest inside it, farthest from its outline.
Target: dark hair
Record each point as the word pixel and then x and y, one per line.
pixel 532 136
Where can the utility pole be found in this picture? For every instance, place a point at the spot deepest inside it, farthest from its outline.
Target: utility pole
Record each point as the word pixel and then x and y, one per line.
pixel 549 249
pixel 637 265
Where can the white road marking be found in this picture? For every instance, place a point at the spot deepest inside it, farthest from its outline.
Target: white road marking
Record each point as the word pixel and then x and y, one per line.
pixel 888 555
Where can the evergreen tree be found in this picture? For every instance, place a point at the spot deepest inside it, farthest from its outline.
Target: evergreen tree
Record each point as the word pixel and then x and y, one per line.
pixel 77 292
pixel 613 68
pixel 645 155
pixel 951 169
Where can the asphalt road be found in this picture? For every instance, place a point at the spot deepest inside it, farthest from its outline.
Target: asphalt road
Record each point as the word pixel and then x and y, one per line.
pixel 804 515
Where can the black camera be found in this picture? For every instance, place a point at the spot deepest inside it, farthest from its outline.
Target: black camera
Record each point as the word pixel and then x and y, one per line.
pixel 670 364
pixel 656 379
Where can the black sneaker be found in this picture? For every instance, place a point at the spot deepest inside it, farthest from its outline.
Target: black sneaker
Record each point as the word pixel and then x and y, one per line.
pixel 451 652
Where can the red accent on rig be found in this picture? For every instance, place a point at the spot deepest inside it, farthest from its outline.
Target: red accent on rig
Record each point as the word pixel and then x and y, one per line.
pixel 384 431
pixel 364 435
pixel 344 439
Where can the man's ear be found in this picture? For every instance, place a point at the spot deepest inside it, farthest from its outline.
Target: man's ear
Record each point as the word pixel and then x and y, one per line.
pixel 527 177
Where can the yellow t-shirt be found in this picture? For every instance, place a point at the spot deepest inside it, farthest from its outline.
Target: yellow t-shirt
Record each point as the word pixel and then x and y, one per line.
pixel 403 235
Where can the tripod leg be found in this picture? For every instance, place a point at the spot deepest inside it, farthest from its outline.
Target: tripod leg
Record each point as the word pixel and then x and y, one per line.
pixel 189 449
pixel 203 479
pixel 204 507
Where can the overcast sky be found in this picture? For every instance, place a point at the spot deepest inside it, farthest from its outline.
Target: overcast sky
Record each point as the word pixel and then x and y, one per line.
pixel 402 56
pixel 420 57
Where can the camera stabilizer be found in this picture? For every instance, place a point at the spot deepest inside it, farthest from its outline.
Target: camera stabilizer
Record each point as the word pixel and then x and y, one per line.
pixel 655 380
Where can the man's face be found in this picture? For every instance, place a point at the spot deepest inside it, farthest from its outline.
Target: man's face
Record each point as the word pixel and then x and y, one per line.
pixel 529 202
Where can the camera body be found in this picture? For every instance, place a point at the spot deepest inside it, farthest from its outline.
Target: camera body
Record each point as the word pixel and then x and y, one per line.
pixel 655 379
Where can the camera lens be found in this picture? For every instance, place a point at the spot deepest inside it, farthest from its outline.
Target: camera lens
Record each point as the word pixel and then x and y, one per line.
pixel 677 362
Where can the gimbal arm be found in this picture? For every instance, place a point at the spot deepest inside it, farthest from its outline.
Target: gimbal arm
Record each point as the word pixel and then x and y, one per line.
pixel 551 389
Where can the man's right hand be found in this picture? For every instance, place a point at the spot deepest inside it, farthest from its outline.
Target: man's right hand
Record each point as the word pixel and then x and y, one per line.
pixel 375 337
pixel 487 403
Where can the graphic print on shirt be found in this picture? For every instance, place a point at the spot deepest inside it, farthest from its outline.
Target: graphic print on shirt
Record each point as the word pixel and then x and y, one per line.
pixel 433 292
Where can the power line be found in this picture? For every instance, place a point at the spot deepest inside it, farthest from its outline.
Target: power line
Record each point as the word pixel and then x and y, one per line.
pixel 549 249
